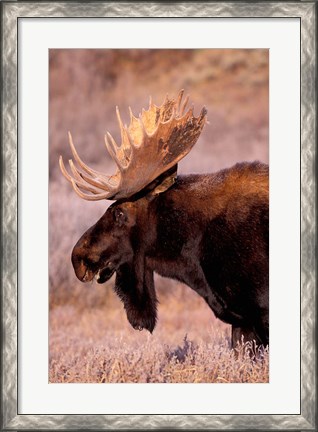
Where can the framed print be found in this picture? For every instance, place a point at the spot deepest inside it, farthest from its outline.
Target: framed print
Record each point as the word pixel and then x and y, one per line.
pixel 234 219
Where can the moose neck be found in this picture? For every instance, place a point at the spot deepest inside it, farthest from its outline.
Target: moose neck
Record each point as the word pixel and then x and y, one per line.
pixel 156 187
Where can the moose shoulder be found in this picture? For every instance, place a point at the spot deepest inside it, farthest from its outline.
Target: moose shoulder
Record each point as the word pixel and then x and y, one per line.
pixel 208 231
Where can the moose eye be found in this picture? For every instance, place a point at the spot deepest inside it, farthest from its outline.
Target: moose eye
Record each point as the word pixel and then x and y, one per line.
pixel 119 215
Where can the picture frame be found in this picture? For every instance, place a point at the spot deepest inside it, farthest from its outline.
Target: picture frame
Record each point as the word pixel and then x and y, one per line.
pixel 306 12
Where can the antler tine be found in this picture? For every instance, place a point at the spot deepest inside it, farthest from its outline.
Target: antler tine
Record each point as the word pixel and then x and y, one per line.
pixel 87 197
pixel 203 112
pixel 77 175
pixel 70 179
pixel 143 129
pixel 131 114
pixel 76 156
pixel 135 131
pixel 113 150
pixel 63 170
pixel 133 118
pixel 83 181
pixel 94 182
pixel 185 102
pixel 86 168
pixel 78 179
pixel 125 146
pixel 180 95
pixel 121 126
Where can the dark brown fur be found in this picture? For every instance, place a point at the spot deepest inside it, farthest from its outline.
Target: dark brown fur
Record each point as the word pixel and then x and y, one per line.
pixel 207 231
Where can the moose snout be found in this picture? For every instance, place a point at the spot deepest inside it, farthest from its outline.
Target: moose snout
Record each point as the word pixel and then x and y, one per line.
pixel 80 269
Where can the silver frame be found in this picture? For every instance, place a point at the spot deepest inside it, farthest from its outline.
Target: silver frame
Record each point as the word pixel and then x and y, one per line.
pixel 307 13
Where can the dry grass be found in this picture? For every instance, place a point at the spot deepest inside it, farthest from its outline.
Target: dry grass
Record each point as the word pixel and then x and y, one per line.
pixel 189 345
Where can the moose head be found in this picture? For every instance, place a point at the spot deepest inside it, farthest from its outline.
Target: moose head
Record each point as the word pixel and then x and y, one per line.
pixel 146 163
pixel 151 146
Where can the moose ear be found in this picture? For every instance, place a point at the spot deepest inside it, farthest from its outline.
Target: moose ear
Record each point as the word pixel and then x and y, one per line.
pixel 164 185
pixel 163 182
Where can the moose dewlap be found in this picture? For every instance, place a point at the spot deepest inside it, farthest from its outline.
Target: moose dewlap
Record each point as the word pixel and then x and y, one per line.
pixel 209 231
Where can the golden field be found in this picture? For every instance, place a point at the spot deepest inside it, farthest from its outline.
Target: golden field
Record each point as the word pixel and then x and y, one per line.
pixel 92 341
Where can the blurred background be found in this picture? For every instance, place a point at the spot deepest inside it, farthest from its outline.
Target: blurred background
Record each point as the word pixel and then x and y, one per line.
pixel 84 88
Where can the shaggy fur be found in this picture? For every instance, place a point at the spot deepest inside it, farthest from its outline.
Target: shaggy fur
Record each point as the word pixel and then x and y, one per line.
pixel 207 231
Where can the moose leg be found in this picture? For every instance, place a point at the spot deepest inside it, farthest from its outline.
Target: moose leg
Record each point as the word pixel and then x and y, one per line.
pixel 194 277
pixel 243 334
pixel 136 290
pixel 262 327
pixel 256 336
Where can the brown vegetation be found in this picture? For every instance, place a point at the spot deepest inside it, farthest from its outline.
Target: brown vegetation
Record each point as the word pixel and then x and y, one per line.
pixel 94 343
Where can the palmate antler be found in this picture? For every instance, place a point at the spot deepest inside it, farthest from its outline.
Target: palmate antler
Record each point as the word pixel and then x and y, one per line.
pixel 151 145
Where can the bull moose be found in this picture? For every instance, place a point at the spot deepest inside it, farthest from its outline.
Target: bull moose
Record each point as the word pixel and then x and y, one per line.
pixel 209 231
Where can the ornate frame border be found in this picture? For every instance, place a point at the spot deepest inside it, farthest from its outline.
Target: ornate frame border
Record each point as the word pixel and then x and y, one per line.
pixel 10 12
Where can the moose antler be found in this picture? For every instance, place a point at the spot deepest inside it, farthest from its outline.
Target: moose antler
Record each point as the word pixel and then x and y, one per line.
pixel 151 145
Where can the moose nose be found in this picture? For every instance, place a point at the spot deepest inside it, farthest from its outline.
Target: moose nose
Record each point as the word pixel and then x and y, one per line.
pixel 78 265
